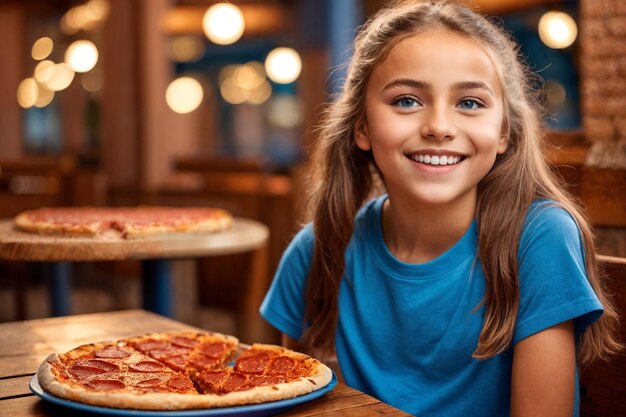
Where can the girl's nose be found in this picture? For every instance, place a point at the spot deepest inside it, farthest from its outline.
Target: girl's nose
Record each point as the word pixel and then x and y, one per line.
pixel 437 124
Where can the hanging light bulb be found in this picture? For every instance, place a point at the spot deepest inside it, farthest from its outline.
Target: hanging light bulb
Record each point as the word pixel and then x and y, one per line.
pixel 223 23
pixel 283 65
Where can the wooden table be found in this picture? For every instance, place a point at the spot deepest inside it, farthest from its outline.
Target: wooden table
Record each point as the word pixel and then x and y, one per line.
pixel 24 345
pixel 155 254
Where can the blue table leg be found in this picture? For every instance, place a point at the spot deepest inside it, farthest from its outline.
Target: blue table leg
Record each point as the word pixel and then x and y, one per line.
pixel 60 278
pixel 157 286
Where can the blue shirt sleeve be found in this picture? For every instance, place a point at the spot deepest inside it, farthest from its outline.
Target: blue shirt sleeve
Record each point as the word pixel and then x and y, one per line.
pixel 553 281
pixel 283 306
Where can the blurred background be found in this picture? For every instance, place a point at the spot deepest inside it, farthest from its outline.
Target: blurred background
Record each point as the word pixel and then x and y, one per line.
pixel 204 103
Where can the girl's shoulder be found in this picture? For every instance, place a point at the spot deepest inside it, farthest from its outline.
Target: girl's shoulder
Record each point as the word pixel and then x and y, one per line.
pixel 547 212
pixel 547 221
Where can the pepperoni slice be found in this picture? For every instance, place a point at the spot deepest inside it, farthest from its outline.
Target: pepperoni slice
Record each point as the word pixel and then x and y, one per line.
pixel 151 345
pixel 252 364
pixel 149 383
pixel 184 342
pixel 161 354
pixel 213 349
pixel 180 384
pixel 234 382
pixel 210 381
pixel 83 371
pixel 256 352
pixel 177 363
pixel 97 363
pixel 106 384
pixel 281 366
pixel 204 362
pixel 111 352
pixel 147 366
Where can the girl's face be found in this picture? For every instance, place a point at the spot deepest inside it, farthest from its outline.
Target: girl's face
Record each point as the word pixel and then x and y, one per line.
pixel 434 118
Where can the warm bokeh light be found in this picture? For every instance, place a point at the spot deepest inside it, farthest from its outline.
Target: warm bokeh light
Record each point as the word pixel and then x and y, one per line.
pixel 61 78
pixel 92 81
pixel 44 96
pixel 244 83
pixel 72 21
pixel 285 111
pixel 42 48
pixel 81 55
pixel 232 93
pixel 260 94
pixel 226 72
pixel 86 16
pixel 223 23
pixel 185 48
pixel 556 92
pixel 558 30
pixel 27 92
pixel 97 10
pixel 44 71
pixel 283 65
pixel 250 75
pixel 184 95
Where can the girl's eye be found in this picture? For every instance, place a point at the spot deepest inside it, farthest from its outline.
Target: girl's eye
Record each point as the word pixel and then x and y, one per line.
pixel 406 102
pixel 470 104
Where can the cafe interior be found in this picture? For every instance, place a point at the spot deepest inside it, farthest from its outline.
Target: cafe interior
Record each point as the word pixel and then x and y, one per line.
pixel 210 103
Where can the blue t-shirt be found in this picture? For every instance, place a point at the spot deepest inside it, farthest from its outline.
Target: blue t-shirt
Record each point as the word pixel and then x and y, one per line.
pixel 406 332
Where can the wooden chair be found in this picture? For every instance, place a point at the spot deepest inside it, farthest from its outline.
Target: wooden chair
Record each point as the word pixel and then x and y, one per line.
pixel 603 384
pixel 33 182
pixel 29 183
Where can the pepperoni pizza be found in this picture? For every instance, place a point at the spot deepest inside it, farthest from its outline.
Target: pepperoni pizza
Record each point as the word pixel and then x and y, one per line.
pixel 180 370
pixel 122 222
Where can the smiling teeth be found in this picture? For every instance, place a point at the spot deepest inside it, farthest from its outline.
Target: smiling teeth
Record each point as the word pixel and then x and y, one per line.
pixel 436 159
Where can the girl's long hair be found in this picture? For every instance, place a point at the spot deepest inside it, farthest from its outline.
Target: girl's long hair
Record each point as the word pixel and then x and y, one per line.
pixel 344 176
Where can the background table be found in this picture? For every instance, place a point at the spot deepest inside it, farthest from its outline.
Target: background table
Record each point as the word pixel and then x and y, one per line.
pixel 155 254
pixel 26 344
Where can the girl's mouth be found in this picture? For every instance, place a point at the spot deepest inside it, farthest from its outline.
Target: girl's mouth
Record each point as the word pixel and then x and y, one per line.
pixel 436 159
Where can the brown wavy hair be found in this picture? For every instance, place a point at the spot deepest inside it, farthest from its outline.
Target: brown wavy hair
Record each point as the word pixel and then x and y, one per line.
pixel 344 177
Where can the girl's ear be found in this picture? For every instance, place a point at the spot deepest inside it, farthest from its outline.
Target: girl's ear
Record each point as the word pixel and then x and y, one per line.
pixel 503 143
pixel 361 135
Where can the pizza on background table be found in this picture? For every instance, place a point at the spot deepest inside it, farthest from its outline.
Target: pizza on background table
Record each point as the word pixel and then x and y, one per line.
pixel 122 222
pixel 180 371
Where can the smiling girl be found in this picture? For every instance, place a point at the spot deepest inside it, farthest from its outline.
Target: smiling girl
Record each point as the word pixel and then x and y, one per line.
pixel 469 286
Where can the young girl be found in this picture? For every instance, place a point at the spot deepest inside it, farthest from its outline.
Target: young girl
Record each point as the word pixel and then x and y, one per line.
pixel 470 286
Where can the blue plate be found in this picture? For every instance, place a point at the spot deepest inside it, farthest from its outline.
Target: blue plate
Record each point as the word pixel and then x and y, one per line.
pixel 253 410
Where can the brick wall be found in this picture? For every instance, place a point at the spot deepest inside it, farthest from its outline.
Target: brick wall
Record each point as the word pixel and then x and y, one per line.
pixel 603 80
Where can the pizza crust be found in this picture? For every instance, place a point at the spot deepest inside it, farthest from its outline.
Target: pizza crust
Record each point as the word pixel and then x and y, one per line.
pixel 25 223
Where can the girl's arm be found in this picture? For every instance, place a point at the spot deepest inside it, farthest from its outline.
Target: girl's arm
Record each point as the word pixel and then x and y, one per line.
pixel 543 379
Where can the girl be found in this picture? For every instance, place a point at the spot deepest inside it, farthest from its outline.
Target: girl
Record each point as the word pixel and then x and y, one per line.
pixel 470 286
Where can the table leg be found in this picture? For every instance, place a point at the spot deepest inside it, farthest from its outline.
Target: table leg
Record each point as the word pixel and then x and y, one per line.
pixel 59 275
pixel 157 286
pixel 252 327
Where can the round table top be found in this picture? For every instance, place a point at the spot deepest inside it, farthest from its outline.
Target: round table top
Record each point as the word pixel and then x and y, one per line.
pixel 245 235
